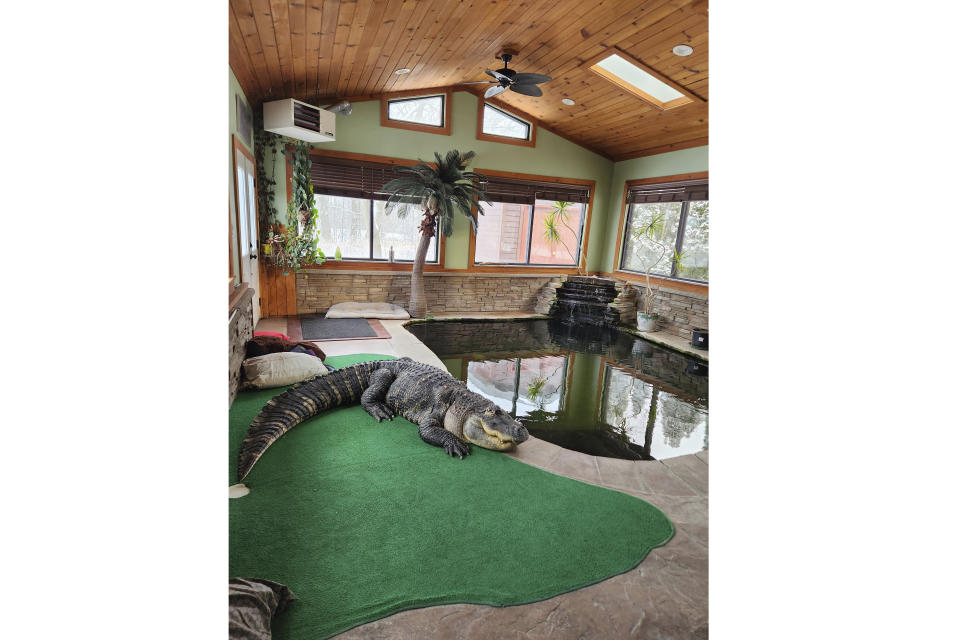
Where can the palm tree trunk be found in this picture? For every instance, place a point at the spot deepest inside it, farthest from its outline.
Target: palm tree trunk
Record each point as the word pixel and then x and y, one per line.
pixel 418 302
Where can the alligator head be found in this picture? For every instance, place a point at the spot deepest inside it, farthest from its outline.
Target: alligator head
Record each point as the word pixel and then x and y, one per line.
pixel 494 429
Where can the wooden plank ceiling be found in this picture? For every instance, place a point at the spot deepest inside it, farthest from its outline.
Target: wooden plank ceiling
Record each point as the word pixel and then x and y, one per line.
pixel 320 51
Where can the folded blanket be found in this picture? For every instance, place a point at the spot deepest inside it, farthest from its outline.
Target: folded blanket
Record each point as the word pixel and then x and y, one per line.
pixel 262 345
pixel 253 603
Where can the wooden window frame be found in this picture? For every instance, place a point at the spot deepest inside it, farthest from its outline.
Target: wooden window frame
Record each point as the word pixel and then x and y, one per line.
pixel 688 96
pixel 489 137
pixel 386 121
pixel 657 280
pixel 472 267
pixel 368 265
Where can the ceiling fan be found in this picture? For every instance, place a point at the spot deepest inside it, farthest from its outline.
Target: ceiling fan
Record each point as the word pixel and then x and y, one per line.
pixel 525 83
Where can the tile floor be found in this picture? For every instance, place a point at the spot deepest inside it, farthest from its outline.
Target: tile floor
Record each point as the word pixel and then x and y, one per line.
pixel 664 597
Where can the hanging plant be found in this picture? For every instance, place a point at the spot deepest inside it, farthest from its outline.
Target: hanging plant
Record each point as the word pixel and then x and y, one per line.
pixel 265 145
pixel 295 245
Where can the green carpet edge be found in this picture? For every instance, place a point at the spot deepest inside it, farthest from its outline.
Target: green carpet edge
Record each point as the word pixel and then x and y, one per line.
pixel 390 610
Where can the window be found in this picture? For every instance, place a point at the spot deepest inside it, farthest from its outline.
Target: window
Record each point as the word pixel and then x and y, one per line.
pixel 667 230
pixel 501 123
pixel 640 80
pixel 496 124
pixel 514 230
pixel 361 230
pixel 427 113
pixel 351 208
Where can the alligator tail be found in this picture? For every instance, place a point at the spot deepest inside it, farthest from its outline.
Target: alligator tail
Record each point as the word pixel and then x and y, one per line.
pixel 303 401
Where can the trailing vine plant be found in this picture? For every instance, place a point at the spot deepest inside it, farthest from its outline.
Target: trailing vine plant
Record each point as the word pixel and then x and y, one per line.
pixel 296 245
pixel 264 143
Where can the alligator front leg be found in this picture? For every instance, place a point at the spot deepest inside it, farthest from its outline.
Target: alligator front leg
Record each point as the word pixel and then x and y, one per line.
pixel 432 433
pixel 372 399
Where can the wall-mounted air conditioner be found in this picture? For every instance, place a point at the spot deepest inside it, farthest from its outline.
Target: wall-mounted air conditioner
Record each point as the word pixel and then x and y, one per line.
pixel 299 120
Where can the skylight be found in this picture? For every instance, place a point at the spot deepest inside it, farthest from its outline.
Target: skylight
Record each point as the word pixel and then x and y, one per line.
pixel 628 74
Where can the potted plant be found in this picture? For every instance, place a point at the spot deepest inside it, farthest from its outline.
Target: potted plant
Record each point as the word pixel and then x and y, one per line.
pixel 440 191
pixel 557 216
pixel 646 238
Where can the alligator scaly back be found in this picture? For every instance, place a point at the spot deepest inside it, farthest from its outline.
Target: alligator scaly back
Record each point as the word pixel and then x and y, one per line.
pixel 303 401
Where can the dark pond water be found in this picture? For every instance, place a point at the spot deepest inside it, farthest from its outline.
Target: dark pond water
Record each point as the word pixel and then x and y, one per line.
pixel 587 388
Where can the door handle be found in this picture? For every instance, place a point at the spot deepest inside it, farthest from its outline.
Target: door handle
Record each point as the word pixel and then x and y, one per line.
pixel 253 256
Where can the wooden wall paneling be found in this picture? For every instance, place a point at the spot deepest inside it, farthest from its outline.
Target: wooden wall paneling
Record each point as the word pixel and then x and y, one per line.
pixel 472 31
pixel 281 30
pixel 411 19
pixel 297 12
pixel 268 40
pixel 444 17
pixel 320 51
pixel 314 30
pixel 328 33
pixel 291 295
pixel 396 17
pixel 368 48
pixel 354 37
pixel 245 28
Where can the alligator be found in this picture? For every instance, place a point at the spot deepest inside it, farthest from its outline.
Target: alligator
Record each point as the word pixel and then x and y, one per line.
pixel 447 413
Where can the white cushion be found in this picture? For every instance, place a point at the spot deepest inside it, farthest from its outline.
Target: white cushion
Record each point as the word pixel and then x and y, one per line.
pixel 381 310
pixel 281 369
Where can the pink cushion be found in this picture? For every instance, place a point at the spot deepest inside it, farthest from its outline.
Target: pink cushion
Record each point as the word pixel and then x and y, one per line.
pixel 270 333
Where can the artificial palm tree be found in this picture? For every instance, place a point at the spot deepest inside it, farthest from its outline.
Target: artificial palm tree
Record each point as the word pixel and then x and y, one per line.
pixel 439 191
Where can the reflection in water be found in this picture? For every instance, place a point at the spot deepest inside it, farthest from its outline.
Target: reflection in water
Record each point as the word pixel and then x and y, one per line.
pixel 591 389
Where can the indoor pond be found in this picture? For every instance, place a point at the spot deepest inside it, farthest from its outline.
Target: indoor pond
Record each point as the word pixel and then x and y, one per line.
pixel 588 388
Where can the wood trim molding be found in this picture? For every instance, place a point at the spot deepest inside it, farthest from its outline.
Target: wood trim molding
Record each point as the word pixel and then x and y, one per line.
pixel 532 142
pixel 239 147
pixel 385 121
pixel 689 96
pixel 675 146
pixel 663 283
pixel 626 275
pixel 584 241
pixel 365 157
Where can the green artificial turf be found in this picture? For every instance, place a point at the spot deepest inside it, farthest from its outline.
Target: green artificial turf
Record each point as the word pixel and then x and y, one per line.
pixel 363 519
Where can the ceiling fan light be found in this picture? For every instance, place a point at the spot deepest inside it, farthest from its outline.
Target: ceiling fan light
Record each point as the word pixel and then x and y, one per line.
pixel 683 49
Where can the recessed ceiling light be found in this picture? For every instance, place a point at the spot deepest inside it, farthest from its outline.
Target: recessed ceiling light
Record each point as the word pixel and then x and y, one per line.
pixel 400 72
pixel 568 101
pixel 683 49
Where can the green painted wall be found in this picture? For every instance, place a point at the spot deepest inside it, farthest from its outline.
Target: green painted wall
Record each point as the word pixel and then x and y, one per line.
pixel 234 88
pixel 663 164
pixel 361 132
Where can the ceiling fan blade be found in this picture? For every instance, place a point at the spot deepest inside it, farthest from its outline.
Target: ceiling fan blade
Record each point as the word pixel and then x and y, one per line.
pixel 526 89
pixel 479 82
pixel 498 76
pixel 531 78
pixel 494 91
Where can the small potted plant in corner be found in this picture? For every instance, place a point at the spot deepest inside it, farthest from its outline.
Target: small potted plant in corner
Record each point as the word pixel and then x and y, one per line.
pixel 646 238
pixel 551 232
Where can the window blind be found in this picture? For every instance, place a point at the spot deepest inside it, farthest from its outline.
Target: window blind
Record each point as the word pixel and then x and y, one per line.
pixel 669 192
pixel 519 191
pixel 350 178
